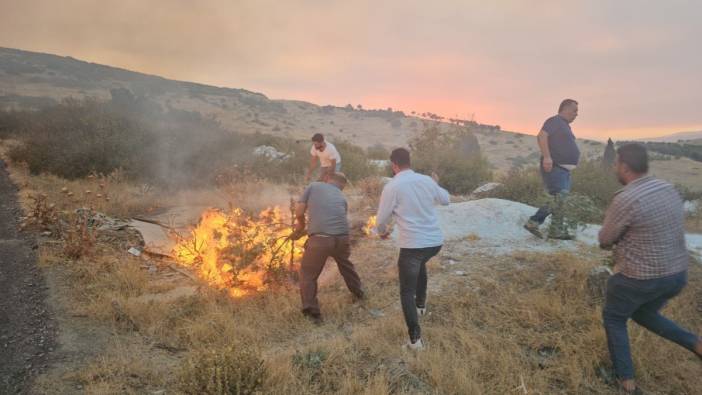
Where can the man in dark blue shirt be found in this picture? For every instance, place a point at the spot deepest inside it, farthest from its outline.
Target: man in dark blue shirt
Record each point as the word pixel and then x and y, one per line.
pixel 559 156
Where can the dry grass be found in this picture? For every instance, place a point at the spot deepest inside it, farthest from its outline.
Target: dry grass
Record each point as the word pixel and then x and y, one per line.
pixel 681 171
pixel 519 324
pixel 516 321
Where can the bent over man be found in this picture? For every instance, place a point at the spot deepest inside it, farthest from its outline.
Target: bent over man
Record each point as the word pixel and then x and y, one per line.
pixel 327 155
pixel 645 224
pixel 411 198
pixel 328 237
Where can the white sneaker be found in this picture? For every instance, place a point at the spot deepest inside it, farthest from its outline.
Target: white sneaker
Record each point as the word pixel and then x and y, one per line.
pixel 416 346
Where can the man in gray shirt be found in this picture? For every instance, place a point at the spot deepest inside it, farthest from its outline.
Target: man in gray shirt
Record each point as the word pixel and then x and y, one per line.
pixel 328 231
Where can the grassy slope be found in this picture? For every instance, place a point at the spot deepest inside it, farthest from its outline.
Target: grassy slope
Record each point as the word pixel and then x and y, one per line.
pixel 512 324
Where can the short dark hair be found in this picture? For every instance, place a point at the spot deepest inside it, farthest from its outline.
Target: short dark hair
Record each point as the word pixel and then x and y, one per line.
pixel 635 156
pixel 400 157
pixel 565 103
pixel 318 137
pixel 339 178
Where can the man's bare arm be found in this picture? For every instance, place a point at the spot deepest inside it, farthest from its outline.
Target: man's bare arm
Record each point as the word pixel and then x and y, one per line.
pixel 313 164
pixel 542 138
pixel 300 209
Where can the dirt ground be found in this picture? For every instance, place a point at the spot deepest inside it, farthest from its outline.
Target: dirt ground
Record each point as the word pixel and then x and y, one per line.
pixel 27 327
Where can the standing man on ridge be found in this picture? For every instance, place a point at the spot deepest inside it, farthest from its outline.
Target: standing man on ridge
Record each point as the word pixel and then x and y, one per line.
pixel 327 155
pixel 411 198
pixel 559 156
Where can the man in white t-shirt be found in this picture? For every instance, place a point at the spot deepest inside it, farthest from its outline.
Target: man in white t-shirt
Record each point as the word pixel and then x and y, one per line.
pixel 329 158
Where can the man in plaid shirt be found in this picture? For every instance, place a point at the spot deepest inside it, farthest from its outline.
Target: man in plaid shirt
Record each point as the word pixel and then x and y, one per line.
pixel 645 226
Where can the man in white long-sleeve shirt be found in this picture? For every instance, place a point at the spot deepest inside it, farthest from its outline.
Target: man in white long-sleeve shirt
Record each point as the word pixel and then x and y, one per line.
pixel 411 198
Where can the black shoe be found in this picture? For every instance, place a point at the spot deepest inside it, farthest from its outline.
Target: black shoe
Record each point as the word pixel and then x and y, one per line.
pixel 358 298
pixel 314 318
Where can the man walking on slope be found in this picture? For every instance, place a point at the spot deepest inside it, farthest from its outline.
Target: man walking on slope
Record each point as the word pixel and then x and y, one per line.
pixel 645 221
pixel 410 197
pixel 328 237
pixel 559 156
pixel 328 156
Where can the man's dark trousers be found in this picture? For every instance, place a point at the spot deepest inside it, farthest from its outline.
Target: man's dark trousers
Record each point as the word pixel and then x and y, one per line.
pixel 640 300
pixel 413 284
pixel 317 249
pixel 557 183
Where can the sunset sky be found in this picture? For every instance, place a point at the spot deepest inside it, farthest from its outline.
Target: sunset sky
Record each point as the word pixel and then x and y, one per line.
pixel 634 66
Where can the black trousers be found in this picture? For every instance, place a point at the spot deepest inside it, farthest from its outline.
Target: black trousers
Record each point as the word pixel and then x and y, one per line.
pixel 317 250
pixel 412 266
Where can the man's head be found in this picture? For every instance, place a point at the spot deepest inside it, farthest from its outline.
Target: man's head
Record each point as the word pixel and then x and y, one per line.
pixel 568 110
pixel 400 160
pixel 631 163
pixel 338 179
pixel 318 141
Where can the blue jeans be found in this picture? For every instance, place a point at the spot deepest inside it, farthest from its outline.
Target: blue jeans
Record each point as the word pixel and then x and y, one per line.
pixel 412 265
pixel 557 181
pixel 641 301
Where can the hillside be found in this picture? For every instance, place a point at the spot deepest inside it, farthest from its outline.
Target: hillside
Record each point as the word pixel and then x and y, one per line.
pixel 688 137
pixel 29 79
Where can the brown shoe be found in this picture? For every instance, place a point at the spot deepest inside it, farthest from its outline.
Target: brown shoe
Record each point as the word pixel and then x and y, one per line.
pixel 533 228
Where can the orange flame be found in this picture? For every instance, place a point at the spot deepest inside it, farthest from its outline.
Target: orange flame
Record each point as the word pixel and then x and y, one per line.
pixel 235 251
pixel 369 227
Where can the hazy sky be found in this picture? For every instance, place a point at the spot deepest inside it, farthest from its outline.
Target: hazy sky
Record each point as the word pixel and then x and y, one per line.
pixel 635 66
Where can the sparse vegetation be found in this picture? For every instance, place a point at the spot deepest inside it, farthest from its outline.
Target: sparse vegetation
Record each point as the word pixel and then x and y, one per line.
pixel 677 150
pixel 78 138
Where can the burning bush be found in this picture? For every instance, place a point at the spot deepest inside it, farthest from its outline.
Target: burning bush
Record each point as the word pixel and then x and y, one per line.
pixel 239 252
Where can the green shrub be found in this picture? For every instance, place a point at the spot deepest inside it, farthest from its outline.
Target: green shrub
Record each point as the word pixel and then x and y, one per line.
pixel 229 370
pixel 170 148
pixel 75 139
pixel 378 152
pixel 522 185
pixel 454 155
pixel 688 194
pixel 354 161
pixel 593 180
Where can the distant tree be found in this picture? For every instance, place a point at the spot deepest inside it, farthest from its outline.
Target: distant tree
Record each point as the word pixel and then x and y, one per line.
pixel 609 154
pixel 359 107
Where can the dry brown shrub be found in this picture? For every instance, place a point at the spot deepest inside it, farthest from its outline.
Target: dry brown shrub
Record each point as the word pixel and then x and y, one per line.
pixel 78 237
pixel 42 214
pixel 234 369
pixel 370 189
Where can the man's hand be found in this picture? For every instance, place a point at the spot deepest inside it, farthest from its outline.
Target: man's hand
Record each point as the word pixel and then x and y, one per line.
pixel 384 236
pixel 298 233
pixel 548 165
